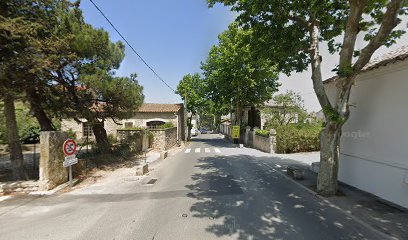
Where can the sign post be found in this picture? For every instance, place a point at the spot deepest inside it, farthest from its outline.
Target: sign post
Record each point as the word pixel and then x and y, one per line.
pixel 69 149
pixel 235 132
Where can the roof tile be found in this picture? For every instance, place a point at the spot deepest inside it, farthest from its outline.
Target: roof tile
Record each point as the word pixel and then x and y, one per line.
pixel 160 107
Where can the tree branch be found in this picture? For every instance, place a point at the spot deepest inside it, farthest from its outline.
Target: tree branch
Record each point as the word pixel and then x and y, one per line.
pixel 350 34
pixel 316 68
pixel 388 23
pixel 300 20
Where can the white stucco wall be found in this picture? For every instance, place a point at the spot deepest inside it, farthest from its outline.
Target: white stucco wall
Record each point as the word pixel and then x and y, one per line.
pixel 374 146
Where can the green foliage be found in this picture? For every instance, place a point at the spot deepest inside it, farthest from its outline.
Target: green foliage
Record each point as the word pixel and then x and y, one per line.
pixel 287 108
pixel 72 134
pixel 234 75
pixel 112 139
pixel 332 115
pixel 28 128
pixel 282 28
pixel 134 129
pixel 298 138
pixel 166 125
pixel 30 134
pixel 122 150
pixel 191 90
pixel 263 133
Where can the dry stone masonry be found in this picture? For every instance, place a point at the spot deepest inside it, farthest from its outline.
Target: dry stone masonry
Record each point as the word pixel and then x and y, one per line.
pixel 52 173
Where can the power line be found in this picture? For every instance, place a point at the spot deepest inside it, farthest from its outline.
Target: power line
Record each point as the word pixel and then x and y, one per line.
pixel 124 39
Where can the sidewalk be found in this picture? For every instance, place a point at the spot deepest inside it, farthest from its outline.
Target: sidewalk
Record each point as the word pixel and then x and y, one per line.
pixel 379 214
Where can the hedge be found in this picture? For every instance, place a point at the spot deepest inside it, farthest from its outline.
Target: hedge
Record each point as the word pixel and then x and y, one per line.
pixel 263 133
pixel 298 138
pixel 166 125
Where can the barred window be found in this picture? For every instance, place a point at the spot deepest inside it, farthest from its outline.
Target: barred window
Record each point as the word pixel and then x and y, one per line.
pixel 87 130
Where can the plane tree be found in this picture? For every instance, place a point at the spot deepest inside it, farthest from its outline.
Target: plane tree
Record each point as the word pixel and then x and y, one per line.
pixel 191 90
pixel 235 76
pixel 290 33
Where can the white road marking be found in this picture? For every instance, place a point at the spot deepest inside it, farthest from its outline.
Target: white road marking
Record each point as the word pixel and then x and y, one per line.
pixel 217 150
pixel 197 150
pixel 207 150
pixel 188 150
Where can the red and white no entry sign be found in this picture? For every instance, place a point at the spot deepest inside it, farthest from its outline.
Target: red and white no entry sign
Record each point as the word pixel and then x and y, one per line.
pixel 69 147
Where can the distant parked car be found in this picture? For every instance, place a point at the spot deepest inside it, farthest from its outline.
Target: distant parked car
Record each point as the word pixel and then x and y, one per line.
pixel 194 132
pixel 203 131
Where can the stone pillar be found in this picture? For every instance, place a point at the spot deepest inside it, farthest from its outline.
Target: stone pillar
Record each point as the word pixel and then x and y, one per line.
pixel 272 140
pixel 254 134
pixel 145 141
pixel 52 173
pixel 246 140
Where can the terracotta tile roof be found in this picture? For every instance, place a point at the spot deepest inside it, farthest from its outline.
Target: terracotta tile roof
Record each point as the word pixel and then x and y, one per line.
pixel 398 55
pixel 160 107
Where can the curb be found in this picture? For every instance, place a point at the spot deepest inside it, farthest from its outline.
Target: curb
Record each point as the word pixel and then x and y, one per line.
pixel 54 190
pixel 3 198
pixel 331 204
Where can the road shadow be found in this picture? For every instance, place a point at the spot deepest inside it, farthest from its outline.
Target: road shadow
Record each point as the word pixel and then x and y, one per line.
pixel 248 202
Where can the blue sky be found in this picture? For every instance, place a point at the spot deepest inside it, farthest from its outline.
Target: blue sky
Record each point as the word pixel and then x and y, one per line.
pixel 172 36
pixel 175 36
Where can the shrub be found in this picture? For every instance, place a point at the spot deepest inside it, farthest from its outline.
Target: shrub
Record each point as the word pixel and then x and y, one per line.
pixel 298 138
pixel 166 125
pixel 134 128
pixel 263 133
pixel 30 134
pixel 71 134
pixel 112 139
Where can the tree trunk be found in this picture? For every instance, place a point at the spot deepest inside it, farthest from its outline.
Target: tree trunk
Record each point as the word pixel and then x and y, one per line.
pixel 102 143
pixel 16 153
pixel 38 112
pixel 238 114
pixel 329 159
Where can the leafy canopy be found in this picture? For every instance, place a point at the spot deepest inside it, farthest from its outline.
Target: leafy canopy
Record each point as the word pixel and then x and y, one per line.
pixel 282 28
pixel 191 90
pixel 234 74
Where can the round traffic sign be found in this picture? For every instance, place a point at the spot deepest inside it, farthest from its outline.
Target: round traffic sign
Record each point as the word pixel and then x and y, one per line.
pixel 69 147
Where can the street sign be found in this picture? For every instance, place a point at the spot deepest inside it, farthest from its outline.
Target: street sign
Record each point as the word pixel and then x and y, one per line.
pixel 235 132
pixel 70 160
pixel 69 147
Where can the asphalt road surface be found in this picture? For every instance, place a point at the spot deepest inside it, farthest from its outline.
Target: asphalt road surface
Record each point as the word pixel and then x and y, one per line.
pixel 210 190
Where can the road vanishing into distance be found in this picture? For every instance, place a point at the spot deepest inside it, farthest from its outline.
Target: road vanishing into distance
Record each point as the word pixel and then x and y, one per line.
pixel 209 190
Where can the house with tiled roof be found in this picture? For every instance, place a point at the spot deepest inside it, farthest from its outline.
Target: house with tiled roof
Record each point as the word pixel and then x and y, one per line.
pixel 374 144
pixel 149 115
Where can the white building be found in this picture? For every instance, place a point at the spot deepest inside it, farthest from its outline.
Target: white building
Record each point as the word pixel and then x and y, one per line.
pixel 374 145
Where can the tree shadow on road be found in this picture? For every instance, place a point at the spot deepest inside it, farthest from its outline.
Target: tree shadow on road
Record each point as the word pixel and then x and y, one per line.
pixel 247 201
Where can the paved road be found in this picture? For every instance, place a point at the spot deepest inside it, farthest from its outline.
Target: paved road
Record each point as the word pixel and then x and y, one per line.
pixel 210 190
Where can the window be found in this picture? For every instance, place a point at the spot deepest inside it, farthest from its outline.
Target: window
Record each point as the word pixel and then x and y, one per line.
pixel 128 124
pixel 87 130
pixel 154 124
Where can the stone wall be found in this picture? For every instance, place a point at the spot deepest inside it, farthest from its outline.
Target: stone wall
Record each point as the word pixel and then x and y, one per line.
pixel 52 173
pixel 139 120
pixel 164 139
pixel 265 144
pixel 71 125
pixel 135 138
pixel 262 143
